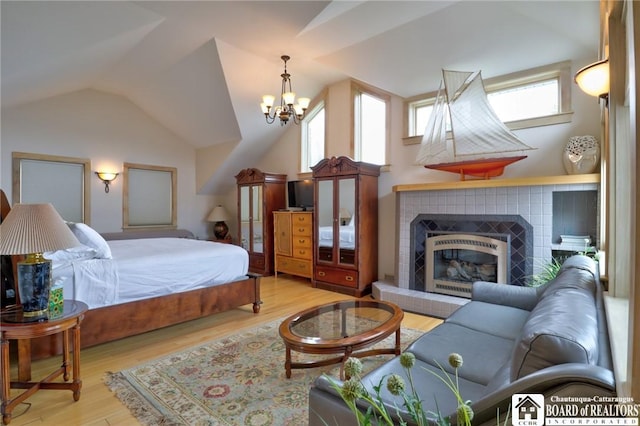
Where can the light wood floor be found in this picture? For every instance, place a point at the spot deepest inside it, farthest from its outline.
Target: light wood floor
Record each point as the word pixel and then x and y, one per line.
pixel 282 296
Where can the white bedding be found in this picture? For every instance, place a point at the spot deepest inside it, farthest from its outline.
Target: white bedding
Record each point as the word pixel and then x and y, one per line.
pixel 347 237
pixel 150 267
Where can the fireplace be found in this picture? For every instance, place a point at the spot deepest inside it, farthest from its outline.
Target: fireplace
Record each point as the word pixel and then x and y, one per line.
pixel 512 230
pixel 522 212
pixel 456 260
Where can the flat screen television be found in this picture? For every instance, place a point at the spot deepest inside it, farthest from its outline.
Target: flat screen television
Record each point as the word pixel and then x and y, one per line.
pixel 300 194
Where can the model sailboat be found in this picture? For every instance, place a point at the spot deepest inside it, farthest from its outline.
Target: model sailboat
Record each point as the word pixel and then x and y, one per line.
pixel 480 144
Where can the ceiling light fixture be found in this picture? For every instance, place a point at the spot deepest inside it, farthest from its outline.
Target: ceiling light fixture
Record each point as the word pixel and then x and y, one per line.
pixel 287 109
pixel 594 79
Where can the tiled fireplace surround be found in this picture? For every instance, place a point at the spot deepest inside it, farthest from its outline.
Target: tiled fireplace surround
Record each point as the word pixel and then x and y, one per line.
pixel 528 199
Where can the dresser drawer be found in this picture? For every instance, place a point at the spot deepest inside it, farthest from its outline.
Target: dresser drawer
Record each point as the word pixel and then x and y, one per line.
pixel 302 251
pixel 301 229
pixel 344 277
pixel 299 267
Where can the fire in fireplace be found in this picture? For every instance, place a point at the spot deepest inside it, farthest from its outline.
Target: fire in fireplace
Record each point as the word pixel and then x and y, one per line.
pixel 458 259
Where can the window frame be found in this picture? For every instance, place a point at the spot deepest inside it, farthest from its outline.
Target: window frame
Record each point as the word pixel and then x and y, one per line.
pixel 559 70
pixel 314 109
pixel 131 203
pixel 358 88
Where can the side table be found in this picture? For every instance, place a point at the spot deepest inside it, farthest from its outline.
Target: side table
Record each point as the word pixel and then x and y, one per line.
pixel 14 327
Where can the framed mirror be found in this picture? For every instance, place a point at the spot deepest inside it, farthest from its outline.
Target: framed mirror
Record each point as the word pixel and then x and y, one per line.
pixel 324 213
pixel 150 196
pixel 346 198
pixel 61 181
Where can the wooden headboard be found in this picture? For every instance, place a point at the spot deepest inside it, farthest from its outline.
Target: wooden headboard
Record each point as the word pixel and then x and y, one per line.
pixel 5 207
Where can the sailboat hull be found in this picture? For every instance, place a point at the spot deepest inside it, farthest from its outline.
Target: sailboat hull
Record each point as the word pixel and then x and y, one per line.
pixel 484 169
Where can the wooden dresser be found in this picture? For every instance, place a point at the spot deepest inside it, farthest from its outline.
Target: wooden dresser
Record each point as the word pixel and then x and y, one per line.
pixel 293 238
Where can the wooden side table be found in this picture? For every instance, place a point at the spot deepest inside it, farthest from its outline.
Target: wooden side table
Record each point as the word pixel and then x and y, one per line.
pixel 14 327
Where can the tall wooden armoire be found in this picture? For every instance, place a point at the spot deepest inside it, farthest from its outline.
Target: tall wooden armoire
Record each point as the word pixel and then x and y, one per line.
pixel 345 225
pixel 259 195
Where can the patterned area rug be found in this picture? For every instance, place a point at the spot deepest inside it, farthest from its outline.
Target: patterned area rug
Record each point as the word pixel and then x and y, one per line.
pixel 236 380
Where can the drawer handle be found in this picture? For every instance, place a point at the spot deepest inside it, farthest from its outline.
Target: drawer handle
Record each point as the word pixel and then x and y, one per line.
pixel 321 274
pixel 301 241
pixel 302 251
pixel 300 229
pixel 348 278
pixel 300 219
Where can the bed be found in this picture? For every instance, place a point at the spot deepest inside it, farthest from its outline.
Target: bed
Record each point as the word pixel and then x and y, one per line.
pixel 150 278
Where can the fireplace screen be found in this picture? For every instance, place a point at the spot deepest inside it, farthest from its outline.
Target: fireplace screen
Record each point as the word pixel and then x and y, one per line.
pixel 455 261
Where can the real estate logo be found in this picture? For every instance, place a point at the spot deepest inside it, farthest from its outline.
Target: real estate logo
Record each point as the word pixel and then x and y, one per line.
pixel 528 409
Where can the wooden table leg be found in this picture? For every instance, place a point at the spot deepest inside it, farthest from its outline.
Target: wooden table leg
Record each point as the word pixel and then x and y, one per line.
pixel 6 379
pixel 398 345
pixel 24 360
pixel 287 363
pixel 77 382
pixel 65 354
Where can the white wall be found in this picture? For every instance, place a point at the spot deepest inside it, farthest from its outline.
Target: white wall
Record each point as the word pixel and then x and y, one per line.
pixel 109 130
pixel 546 160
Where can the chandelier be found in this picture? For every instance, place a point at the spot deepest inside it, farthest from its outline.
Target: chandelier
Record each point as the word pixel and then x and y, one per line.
pixel 286 109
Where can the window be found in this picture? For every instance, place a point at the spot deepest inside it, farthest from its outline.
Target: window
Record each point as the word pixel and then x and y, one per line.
pixel 150 196
pixel 371 125
pixel 312 146
pixel 61 181
pixel 530 98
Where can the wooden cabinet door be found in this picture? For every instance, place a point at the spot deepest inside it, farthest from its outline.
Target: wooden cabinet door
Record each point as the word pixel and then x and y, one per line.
pixel 282 233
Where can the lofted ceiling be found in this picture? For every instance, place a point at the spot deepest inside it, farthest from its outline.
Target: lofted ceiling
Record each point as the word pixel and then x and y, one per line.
pixel 201 67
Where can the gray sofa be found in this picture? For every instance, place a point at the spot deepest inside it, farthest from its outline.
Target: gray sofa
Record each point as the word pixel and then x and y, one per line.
pixel 550 340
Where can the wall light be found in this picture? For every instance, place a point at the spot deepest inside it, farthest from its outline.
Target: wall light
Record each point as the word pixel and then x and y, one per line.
pixel 594 79
pixel 107 178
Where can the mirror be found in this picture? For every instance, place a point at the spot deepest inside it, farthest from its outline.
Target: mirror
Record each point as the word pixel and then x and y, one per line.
pixel 245 230
pixel 256 204
pixel 324 214
pixel 347 220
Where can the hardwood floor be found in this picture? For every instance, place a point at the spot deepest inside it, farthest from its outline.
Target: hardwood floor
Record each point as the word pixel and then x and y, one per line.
pixel 282 296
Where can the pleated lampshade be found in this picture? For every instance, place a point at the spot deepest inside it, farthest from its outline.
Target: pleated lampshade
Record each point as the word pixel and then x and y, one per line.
pixel 34 228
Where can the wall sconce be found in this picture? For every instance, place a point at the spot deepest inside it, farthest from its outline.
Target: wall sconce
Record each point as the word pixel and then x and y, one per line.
pixel 594 79
pixel 107 178
pixel 220 229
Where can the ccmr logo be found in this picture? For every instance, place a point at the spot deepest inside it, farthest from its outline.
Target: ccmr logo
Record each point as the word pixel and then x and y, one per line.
pixel 527 409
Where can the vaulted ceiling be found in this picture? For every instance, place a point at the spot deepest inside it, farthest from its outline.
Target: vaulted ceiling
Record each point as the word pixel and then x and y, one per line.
pixel 201 67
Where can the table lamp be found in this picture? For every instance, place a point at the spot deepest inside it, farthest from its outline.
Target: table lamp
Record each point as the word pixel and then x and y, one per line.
pixel 219 215
pixel 32 229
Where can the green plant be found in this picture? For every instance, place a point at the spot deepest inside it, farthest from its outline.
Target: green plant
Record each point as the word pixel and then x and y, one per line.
pixel 549 271
pixel 353 390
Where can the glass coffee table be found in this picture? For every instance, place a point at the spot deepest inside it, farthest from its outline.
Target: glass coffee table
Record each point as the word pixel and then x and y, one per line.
pixel 345 328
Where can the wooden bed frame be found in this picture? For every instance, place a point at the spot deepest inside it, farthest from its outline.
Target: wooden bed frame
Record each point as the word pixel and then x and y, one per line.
pixel 109 323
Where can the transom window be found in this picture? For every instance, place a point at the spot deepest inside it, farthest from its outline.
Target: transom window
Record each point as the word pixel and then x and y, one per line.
pixel 530 98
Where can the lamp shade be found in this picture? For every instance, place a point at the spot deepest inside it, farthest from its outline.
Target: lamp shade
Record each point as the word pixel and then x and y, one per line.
pixel 218 214
pixel 594 79
pixel 34 228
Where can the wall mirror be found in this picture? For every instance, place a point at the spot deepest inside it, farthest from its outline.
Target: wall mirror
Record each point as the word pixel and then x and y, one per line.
pixel 149 196
pixel 61 181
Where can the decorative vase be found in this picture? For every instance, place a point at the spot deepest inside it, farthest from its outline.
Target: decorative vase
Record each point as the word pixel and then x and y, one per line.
pixel 581 155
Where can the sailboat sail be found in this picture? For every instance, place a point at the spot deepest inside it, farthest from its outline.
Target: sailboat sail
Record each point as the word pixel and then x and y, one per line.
pixel 478 136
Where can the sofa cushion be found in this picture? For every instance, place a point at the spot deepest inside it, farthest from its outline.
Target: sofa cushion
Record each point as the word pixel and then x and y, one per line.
pixel 498 320
pixel 562 328
pixel 483 353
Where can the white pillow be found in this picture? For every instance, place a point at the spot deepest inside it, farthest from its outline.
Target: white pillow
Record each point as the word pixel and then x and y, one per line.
pixel 80 252
pixel 89 237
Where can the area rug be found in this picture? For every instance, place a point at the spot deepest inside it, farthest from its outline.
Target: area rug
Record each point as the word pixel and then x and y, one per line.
pixel 236 380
